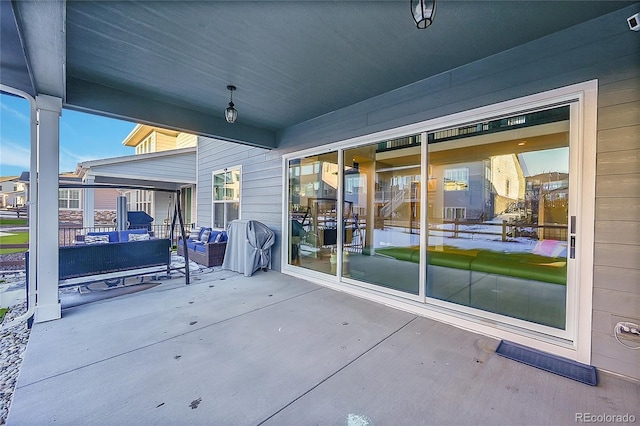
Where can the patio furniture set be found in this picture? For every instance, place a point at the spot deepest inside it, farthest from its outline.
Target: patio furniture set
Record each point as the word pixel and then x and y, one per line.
pixel 117 254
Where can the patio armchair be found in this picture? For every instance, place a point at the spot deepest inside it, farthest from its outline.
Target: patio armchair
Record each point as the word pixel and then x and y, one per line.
pixel 206 246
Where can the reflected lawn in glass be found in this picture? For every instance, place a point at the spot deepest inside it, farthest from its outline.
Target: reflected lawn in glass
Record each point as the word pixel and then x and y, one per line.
pixel 384 271
pixel 529 300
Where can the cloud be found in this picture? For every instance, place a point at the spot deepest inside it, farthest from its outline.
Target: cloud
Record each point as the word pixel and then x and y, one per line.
pixel 18 115
pixel 69 160
pixel 13 154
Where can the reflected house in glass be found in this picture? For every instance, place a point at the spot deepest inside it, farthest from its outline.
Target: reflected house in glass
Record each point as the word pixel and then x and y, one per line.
pixel 547 196
pixel 478 190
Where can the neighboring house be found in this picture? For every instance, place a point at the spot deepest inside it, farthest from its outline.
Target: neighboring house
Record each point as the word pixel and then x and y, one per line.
pixel 8 191
pixel 477 190
pixel 146 139
pixel 171 165
pixel 546 195
pixel 164 159
pixel 70 201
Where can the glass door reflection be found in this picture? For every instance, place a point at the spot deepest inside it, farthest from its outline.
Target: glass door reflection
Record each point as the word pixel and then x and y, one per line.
pixel 313 224
pixel 381 214
pixel 498 208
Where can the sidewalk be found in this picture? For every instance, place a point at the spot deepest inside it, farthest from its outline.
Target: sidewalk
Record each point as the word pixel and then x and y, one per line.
pixel 273 349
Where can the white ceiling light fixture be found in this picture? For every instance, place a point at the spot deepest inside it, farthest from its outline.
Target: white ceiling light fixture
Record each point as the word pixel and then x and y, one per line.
pixel 231 114
pixel 423 12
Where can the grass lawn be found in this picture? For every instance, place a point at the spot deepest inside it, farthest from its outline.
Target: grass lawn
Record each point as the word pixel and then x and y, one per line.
pixel 17 238
pixel 13 221
pixel 2 312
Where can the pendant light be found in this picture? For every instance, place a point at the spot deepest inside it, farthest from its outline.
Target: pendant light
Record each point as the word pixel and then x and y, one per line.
pixel 231 114
pixel 423 12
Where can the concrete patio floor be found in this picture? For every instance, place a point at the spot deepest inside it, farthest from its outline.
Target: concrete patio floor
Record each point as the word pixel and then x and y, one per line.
pixel 276 350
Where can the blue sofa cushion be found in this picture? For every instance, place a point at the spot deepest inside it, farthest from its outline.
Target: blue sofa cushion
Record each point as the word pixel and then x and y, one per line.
pixel 201 248
pixel 113 235
pixel 215 236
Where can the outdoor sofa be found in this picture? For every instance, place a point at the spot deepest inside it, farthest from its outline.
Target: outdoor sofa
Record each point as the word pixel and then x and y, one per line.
pixel 205 246
pixel 113 253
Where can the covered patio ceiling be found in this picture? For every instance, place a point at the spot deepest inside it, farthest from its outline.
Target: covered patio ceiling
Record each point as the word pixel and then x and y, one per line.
pixel 168 63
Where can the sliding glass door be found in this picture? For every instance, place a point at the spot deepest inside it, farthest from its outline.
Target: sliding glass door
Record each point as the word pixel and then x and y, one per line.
pixel 498 214
pixel 478 221
pixel 313 212
pixel 381 214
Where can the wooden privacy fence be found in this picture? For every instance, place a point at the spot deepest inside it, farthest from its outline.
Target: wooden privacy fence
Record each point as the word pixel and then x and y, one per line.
pixel 505 230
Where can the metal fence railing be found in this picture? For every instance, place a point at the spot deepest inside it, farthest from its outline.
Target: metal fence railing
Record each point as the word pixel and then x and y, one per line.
pixel 70 235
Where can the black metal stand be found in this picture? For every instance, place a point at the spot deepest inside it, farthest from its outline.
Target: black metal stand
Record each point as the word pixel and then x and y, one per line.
pixel 177 214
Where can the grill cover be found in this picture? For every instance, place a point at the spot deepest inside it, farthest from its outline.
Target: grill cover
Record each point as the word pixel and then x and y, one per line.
pixel 139 219
pixel 248 246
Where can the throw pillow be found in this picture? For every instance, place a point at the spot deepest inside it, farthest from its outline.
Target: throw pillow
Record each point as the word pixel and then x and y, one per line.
pixel 194 233
pixel 138 237
pixel 96 239
pixel 205 235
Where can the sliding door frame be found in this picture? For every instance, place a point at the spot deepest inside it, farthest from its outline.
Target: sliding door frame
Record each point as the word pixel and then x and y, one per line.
pixel 575 341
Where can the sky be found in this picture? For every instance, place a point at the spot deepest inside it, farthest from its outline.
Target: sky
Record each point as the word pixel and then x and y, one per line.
pixel 550 160
pixel 83 137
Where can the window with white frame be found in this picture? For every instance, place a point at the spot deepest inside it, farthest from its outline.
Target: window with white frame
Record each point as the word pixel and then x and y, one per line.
pixel 69 199
pixel 226 185
pixel 140 200
pixel 456 179
pixel 144 201
pixel 452 213
pixel 146 146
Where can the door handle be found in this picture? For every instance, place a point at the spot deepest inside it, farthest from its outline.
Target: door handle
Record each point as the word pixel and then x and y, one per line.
pixel 572 248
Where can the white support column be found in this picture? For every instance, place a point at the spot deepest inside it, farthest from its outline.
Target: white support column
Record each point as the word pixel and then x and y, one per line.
pixel 88 204
pixel 49 109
